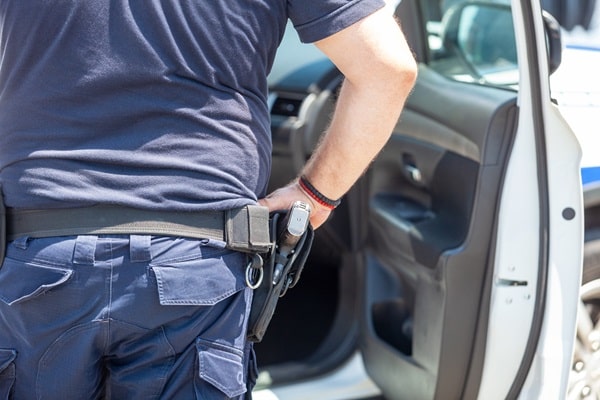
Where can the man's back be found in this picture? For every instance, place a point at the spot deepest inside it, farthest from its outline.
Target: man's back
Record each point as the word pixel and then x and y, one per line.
pixel 113 99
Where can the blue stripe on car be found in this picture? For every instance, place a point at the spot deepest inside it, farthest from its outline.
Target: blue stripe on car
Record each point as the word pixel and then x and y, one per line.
pixel 582 47
pixel 590 174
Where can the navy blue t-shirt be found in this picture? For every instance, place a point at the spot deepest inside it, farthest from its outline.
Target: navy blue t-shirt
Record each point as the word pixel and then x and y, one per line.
pixel 145 103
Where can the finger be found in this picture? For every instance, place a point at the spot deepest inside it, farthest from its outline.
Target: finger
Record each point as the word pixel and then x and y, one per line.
pixel 275 203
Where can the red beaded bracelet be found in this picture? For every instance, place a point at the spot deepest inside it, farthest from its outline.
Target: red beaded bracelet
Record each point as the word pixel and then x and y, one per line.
pixel 316 195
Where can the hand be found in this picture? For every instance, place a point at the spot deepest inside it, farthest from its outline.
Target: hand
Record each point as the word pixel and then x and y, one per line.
pixel 283 198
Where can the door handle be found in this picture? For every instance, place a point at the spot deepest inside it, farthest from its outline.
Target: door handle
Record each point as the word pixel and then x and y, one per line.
pixel 413 173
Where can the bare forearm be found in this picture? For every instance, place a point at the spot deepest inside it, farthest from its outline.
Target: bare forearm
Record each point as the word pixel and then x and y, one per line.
pixel 380 72
pixel 361 125
pixel 363 121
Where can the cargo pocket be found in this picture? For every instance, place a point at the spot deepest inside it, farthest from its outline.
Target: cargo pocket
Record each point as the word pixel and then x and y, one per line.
pixel 219 367
pixel 7 372
pixel 20 282
pixel 199 281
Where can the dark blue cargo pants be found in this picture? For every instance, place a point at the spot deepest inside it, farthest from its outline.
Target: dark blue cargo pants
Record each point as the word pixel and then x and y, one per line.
pixel 123 317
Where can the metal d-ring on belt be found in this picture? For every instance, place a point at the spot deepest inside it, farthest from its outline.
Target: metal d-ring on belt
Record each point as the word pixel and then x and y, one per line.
pixel 244 229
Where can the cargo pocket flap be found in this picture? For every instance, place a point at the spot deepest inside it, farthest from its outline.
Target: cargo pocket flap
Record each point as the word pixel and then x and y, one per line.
pixel 221 366
pixel 196 282
pixel 20 282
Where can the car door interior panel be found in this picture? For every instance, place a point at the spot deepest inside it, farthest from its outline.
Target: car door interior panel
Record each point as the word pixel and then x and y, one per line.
pixel 439 173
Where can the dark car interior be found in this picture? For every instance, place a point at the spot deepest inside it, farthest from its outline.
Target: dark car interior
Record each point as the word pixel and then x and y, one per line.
pixel 401 268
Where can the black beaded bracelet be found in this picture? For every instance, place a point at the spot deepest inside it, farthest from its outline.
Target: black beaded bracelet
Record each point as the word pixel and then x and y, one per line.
pixel 316 195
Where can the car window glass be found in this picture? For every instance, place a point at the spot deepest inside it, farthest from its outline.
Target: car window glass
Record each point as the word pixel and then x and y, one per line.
pixel 472 41
pixel 292 54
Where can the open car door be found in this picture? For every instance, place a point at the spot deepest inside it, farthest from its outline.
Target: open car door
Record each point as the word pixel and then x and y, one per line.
pixel 474 226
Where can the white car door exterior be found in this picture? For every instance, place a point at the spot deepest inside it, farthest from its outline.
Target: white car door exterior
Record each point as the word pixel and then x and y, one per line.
pixel 532 327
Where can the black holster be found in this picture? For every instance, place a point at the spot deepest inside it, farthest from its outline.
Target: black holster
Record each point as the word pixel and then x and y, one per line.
pixel 267 294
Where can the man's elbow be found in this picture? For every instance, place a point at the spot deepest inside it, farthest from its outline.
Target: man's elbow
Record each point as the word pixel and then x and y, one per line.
pixel 395 78
pixel 390 71
pixel 404 73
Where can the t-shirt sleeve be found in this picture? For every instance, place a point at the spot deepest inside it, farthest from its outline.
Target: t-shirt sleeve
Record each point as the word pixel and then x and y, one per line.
pixel 315 20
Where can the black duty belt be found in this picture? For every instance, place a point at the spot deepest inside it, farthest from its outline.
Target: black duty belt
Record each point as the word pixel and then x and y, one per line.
pixel 244 229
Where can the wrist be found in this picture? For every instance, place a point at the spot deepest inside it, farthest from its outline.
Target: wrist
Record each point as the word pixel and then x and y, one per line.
pixel 316 196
